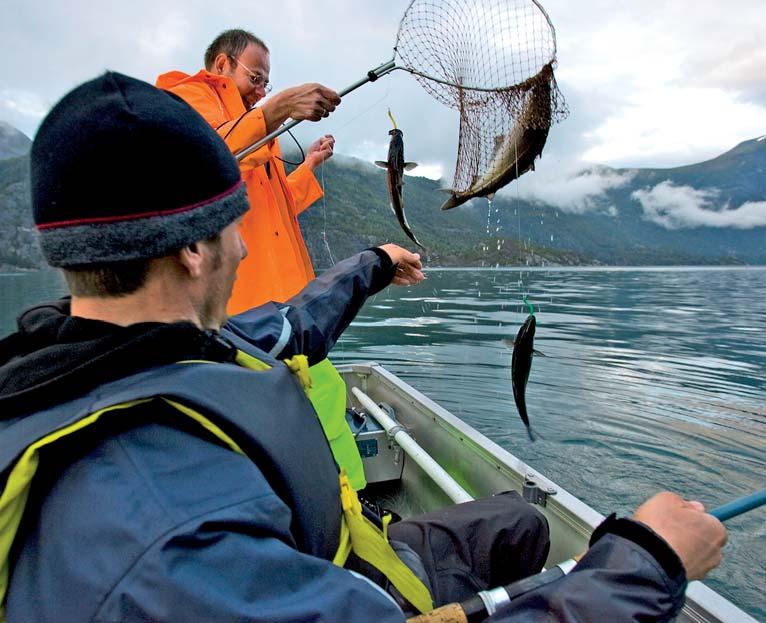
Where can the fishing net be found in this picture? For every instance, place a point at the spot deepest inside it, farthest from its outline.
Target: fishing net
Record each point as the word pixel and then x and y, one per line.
pixel 491 60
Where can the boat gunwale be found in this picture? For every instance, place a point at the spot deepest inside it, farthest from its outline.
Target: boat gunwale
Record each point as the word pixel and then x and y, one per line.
pixel 703 604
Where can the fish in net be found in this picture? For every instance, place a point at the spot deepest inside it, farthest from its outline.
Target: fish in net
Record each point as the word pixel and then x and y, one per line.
pixel 493 62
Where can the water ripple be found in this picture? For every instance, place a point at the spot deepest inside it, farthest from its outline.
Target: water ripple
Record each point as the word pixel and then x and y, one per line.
pixel 652 379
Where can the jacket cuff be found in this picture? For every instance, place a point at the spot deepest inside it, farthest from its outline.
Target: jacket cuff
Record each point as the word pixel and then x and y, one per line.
pixel 645 537
pixel 386 265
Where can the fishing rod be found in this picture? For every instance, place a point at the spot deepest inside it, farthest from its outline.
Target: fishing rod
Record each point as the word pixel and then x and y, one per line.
pixel 740 506
pixel 486 603
pixel 371 76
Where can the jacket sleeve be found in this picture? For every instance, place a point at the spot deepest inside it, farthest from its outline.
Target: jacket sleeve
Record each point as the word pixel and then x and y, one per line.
pixel 304 187
pixel 312 321
pixel 628 574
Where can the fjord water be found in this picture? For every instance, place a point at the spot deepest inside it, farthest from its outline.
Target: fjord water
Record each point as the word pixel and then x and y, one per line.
pixel 653 379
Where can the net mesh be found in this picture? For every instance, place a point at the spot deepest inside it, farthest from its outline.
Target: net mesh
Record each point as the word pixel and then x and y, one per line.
pixel 493 61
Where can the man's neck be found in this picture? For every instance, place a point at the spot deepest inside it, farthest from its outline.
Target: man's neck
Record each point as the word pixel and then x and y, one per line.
pixel 155 302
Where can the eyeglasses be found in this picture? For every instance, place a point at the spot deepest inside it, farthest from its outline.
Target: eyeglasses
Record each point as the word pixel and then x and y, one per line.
pixel 257 80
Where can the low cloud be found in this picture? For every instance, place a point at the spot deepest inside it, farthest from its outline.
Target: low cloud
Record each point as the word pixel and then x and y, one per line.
pixel 164 36
pixel 576 192
pixel 22 103
pixel 679 207
pixel 660 126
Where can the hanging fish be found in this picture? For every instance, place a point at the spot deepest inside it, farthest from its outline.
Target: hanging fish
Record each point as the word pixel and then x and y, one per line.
pixel 515 153
pixel 396 166
pixel 521 364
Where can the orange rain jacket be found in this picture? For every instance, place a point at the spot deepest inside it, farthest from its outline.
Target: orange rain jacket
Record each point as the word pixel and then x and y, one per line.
pixel 278 263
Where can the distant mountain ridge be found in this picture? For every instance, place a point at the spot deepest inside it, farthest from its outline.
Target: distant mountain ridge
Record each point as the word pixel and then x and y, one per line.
pixel 739 173
pixel 627 224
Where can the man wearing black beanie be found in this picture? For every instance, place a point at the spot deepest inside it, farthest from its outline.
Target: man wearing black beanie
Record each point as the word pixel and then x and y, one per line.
pixel 161 462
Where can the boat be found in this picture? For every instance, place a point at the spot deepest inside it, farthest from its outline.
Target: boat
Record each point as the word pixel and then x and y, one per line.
pixel 419 457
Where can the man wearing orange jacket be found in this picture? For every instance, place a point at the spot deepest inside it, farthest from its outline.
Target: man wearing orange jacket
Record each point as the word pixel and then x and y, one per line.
pixel 235 78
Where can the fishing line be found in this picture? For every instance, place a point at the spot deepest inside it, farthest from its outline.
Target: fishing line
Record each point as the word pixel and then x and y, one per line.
pixel 529 305
pixel 324 216
pixel 303 155
pixel 236 123
pixel 518 225
pixel 369 108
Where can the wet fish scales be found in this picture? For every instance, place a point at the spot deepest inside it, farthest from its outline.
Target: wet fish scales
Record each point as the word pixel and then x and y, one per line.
pixel 395 166
pixel 521 364
pixel 514 154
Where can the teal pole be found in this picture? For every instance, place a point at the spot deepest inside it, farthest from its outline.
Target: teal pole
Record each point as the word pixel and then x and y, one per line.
pixel 740 505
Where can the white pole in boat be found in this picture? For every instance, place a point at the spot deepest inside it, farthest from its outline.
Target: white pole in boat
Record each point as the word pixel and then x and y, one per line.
pixel 446 483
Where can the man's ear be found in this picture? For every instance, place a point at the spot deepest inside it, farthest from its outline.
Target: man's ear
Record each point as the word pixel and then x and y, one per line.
pixel 191 258
pixel 220 63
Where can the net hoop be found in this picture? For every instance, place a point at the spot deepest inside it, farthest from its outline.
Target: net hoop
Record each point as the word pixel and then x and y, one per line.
pixel 420 50
pixel 493 62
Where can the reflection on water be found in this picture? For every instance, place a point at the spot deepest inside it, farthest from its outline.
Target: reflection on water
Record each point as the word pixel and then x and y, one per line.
pixel 652 379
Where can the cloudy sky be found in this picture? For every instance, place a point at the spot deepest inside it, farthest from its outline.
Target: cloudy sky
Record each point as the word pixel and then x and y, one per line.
pixel 648 82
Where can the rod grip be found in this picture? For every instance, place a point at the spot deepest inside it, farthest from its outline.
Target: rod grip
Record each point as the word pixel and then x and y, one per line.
pixel 451 613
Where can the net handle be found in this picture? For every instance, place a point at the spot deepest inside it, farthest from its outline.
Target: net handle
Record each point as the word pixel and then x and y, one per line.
pixel 372 76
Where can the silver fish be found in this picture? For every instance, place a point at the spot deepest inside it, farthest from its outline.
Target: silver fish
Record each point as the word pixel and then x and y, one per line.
pixel 396 166
pixel 514 154
pixel 521 365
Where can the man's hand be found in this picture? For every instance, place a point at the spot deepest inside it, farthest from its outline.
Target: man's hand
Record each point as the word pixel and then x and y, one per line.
pixel 696 536
pixel 319 151
pixel 309 102
pixel 408 266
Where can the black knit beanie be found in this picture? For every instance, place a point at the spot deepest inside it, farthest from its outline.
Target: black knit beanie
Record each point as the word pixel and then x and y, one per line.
pixel 122 170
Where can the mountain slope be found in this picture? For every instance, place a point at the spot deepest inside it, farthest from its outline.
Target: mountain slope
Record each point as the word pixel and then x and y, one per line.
pixel 618 229
pixel 12 142
pixel 355 214
pixel 18 241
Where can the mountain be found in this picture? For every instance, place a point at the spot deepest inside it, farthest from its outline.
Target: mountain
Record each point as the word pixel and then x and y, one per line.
pixel 627 224
pixel 687 211
pixel 18 241
pixel 12 142
pixel 355 214
pixel 695 214
pixel 18 245
pixel 739 174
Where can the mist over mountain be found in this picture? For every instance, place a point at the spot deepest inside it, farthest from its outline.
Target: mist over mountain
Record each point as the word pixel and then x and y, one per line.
pixel 712 212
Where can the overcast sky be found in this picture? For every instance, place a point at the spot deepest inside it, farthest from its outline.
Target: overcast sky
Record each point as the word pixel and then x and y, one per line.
pixel 648 82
